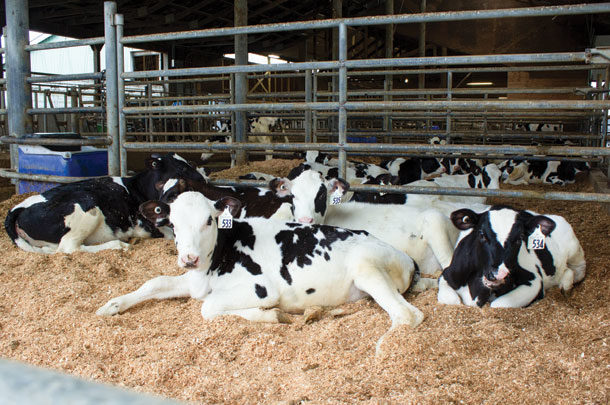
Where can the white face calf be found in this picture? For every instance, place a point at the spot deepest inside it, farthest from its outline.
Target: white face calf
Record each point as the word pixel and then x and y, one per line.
pixel 311 193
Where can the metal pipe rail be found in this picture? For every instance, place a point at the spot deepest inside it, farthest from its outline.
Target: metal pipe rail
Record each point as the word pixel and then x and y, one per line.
pixel 356 147
pixel 383 105
pixel 70 77
pixel 545 195
pixel 101 141
pixel 364 63
pixel 65 44
pixel 46 178
pixel 65 110
pixel 376 20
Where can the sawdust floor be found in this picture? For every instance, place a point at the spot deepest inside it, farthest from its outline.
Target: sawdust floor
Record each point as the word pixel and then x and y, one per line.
pixel 554 352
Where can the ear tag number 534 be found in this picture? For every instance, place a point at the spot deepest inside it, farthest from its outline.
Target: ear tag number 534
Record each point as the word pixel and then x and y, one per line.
pixel 537 240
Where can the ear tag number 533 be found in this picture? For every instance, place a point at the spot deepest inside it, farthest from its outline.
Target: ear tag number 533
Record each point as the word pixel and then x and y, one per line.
pixel 225 220
pixel 335 197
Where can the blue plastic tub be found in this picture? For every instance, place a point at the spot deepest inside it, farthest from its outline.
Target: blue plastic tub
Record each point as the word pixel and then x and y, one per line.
pixel 89 162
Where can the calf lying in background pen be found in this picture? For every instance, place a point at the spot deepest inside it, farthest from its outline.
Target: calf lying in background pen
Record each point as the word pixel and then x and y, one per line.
pixel 261 267
pixel 94 214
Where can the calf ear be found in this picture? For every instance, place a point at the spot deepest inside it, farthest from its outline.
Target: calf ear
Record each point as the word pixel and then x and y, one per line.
pixel 233 203
pixel 155 211
pixel 464 219
pixel 280 186
pixel 547 225
pixel 338 184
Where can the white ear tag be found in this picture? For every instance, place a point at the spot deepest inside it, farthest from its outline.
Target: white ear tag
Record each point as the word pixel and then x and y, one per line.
pixel 537 240
pixel 225 220
pixel 335 197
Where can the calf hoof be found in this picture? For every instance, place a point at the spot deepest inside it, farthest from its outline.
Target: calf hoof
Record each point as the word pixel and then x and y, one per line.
pixel 281 316
pixel 112 307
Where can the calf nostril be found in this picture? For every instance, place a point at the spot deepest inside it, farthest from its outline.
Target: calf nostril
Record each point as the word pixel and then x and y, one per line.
pixel 306 220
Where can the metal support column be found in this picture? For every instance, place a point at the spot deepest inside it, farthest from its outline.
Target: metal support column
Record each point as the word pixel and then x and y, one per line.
pixel 422 45
pixel 112 116
pixel 308 99
pixel 18 70
pixel 314 115
pixel 97 67
pixel 337 12
pixel 389 53
pixel 119 21
pixel 342 98
pixel 74 116
pixel 448 118
pixel 241 81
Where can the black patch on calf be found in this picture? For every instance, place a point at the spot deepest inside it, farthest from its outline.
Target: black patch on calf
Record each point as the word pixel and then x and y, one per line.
pixel 261 292
pixel 333 173
pixel 310 290
pixel 486 178
pixel 296 172
pixel 321 200
pixel 471 180
pixel 429 165
pixel 227 253
pixel 302 248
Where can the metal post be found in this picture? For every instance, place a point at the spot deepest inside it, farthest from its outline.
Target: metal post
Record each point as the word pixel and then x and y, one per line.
pixel 605 120
pixel 112 119
pixel 389 53
pixel 448 118
pixel 97 67
pixel 342 98
pixel 119 21
pixel 314 114
pixel 18 69
pixel 241 81
pixel 337 12
pixel 74 116
pixel 308 99
pixel 422 45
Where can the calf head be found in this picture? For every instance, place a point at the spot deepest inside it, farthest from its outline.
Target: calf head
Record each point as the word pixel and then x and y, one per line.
pixel 491 250
pixel 161 168
pixel 193 219
pixel 311 193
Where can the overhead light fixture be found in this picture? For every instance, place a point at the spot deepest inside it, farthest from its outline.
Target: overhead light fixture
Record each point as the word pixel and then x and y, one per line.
pixel 502 98
pixel 479 83
pixel 406 80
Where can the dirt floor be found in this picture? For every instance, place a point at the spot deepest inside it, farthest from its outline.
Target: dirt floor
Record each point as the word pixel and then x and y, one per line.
pixel 554 352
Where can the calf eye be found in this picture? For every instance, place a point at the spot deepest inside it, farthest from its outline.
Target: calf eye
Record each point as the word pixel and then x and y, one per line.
pixel 157 210
pixel 210 220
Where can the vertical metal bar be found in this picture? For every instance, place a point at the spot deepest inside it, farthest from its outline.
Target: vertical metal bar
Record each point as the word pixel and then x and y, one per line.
pixel 18 70
pixel 74 116
pixel 448 118
pixel 308 99
pixel 97 67
pixel 337 12
pixel 112 119
pixel 342 98
pixel 604 120
pixel 314 115
pixel 45 122
pixel 422 45
pixel 241 81
pixel 387 83
pixel 149 121
pixel 119 21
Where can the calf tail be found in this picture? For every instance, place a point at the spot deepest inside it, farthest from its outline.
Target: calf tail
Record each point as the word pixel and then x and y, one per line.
pixel 10 223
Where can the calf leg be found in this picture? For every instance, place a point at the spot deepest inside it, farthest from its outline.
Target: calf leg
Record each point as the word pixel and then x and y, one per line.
pixel 247 299
pixel 435 230
pixel 378 285
pixel 191 284
pixel 81 224
pixel 113 244
pixel 521 296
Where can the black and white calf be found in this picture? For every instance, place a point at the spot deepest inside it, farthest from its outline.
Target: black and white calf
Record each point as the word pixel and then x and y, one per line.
pixel 257 176
pixel 541 171
pixel 412 169
pixel 423 231
pixel 509 258
pixel 93 214
pixel 261 267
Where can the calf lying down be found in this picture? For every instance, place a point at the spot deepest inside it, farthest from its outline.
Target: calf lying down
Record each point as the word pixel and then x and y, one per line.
pixel 509 258
pixel 260 267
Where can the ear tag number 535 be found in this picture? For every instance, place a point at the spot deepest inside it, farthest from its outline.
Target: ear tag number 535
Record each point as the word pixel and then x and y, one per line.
pixel 335 197
pixel 225 220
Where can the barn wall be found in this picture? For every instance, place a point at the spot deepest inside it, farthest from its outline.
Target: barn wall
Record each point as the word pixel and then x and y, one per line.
pixel 546 80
